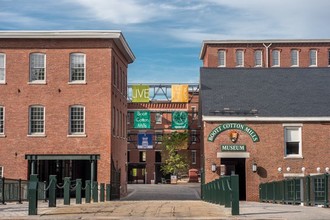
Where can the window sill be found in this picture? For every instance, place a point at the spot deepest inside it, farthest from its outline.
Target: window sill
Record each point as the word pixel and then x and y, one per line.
pixel 37 83
pixel 3 83
pixel 2 136
pixel 77 83
pixel 37 135
pixel 294 157
pixel 76 135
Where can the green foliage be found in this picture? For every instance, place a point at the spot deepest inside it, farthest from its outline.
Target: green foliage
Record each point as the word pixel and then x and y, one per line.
pixel 174 153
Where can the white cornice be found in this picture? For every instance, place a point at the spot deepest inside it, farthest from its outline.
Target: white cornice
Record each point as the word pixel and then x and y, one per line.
pixel 116 35
pixel 282 119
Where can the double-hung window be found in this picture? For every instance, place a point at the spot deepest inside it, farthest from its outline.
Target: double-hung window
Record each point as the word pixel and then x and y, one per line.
pixel 77 120
pixel 239 58
pixel 312 58
pixel 77 68
pixel 258 58
pixel 2 120
pixel 292 136
pixel 2 68
pixel 37 120
pixel 159 118
pixel 159 136
pixel 193 157
pixel 37 67
pixel 275 58
pixel 221 58
pixel 193 136
pixel 294 58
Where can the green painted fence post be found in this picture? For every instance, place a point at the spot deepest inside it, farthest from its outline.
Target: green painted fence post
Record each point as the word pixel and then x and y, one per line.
pixel 52 191
pixel 308 190
pixel 222 192
pixel 326 190
pixel 67 181
pixel 101 192
pixel 78 191
pixel 108 192
pixel 227 192
pixel 235 195
pixel 33 194
pixel 88 191
pixel 95 191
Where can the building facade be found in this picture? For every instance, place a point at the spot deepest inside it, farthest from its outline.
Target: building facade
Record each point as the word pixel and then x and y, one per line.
pixel 63 97
pixel 265 122
pixel 144 161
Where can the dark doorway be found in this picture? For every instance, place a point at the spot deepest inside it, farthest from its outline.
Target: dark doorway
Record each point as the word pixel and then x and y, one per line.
pixel 236 166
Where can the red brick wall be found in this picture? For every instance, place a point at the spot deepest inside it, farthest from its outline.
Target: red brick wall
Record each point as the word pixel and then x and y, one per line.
pixel 56 96
pixel 211 55
pixel 269 152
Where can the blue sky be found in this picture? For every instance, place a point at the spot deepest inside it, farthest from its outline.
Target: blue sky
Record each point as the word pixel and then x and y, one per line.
pixel 166 35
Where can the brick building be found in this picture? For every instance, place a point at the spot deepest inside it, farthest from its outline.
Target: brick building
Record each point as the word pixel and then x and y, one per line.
pixel 63 105
pixel 144 163
pixel 269 119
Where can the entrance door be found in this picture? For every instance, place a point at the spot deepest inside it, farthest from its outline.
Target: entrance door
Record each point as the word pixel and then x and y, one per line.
pixel 236 166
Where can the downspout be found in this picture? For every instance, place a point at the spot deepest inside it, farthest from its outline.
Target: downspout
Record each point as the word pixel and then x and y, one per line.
pixel 267 46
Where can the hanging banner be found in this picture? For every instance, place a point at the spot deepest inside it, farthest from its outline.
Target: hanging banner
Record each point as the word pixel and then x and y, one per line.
pixel 179 93
pixel 142 119
pixel 145 141
pixel 140 93
pixel 179 120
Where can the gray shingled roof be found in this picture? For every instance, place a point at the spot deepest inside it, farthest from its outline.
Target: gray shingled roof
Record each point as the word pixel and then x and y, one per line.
pixel 274 92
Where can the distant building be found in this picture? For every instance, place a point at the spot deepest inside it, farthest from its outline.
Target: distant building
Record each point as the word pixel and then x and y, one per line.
pixel 269 123
pixel 63 100
pixel 144 146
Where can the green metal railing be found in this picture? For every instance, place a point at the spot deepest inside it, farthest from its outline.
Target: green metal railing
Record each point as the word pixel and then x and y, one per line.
pixel 223 191
pixel 309 190
pixel 92 192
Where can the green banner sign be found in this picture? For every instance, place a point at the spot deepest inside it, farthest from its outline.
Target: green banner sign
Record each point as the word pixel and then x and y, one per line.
pixel 140 93
pixel 179 120
pixel 231 147
pixel 227 126
pixel 142 119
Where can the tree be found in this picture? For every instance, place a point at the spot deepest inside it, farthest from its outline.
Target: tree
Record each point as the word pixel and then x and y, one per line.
pixel 174 153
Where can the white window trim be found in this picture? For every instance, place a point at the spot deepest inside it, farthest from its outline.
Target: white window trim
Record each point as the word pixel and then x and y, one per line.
pixel 241 51
pixel 4 122
pixel 41 82
pixel 297 65
pixel 37 134
pixel 4 67
pixel 161 118
pixel 310 65
pixel 78 81
pixel 224 58
pixel 193 162
pixel 278 58
pixel 77 134
pixel 261 56
pixel 300 154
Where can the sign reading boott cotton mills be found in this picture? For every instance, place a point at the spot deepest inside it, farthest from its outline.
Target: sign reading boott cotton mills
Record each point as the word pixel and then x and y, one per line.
pixel 236 126
pixel 142 119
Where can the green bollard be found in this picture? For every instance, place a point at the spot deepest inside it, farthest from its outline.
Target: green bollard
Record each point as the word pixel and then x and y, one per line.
pixel 52 191
pixel 67 181
pixel 227 192
pixel 95 191
pixel 108 192
pixel 235 195
pixel 78 191
pixel 102 192
pixel 88 191
pixel 33 194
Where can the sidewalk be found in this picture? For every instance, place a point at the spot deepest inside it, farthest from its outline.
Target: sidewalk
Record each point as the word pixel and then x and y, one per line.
pixel 164 210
